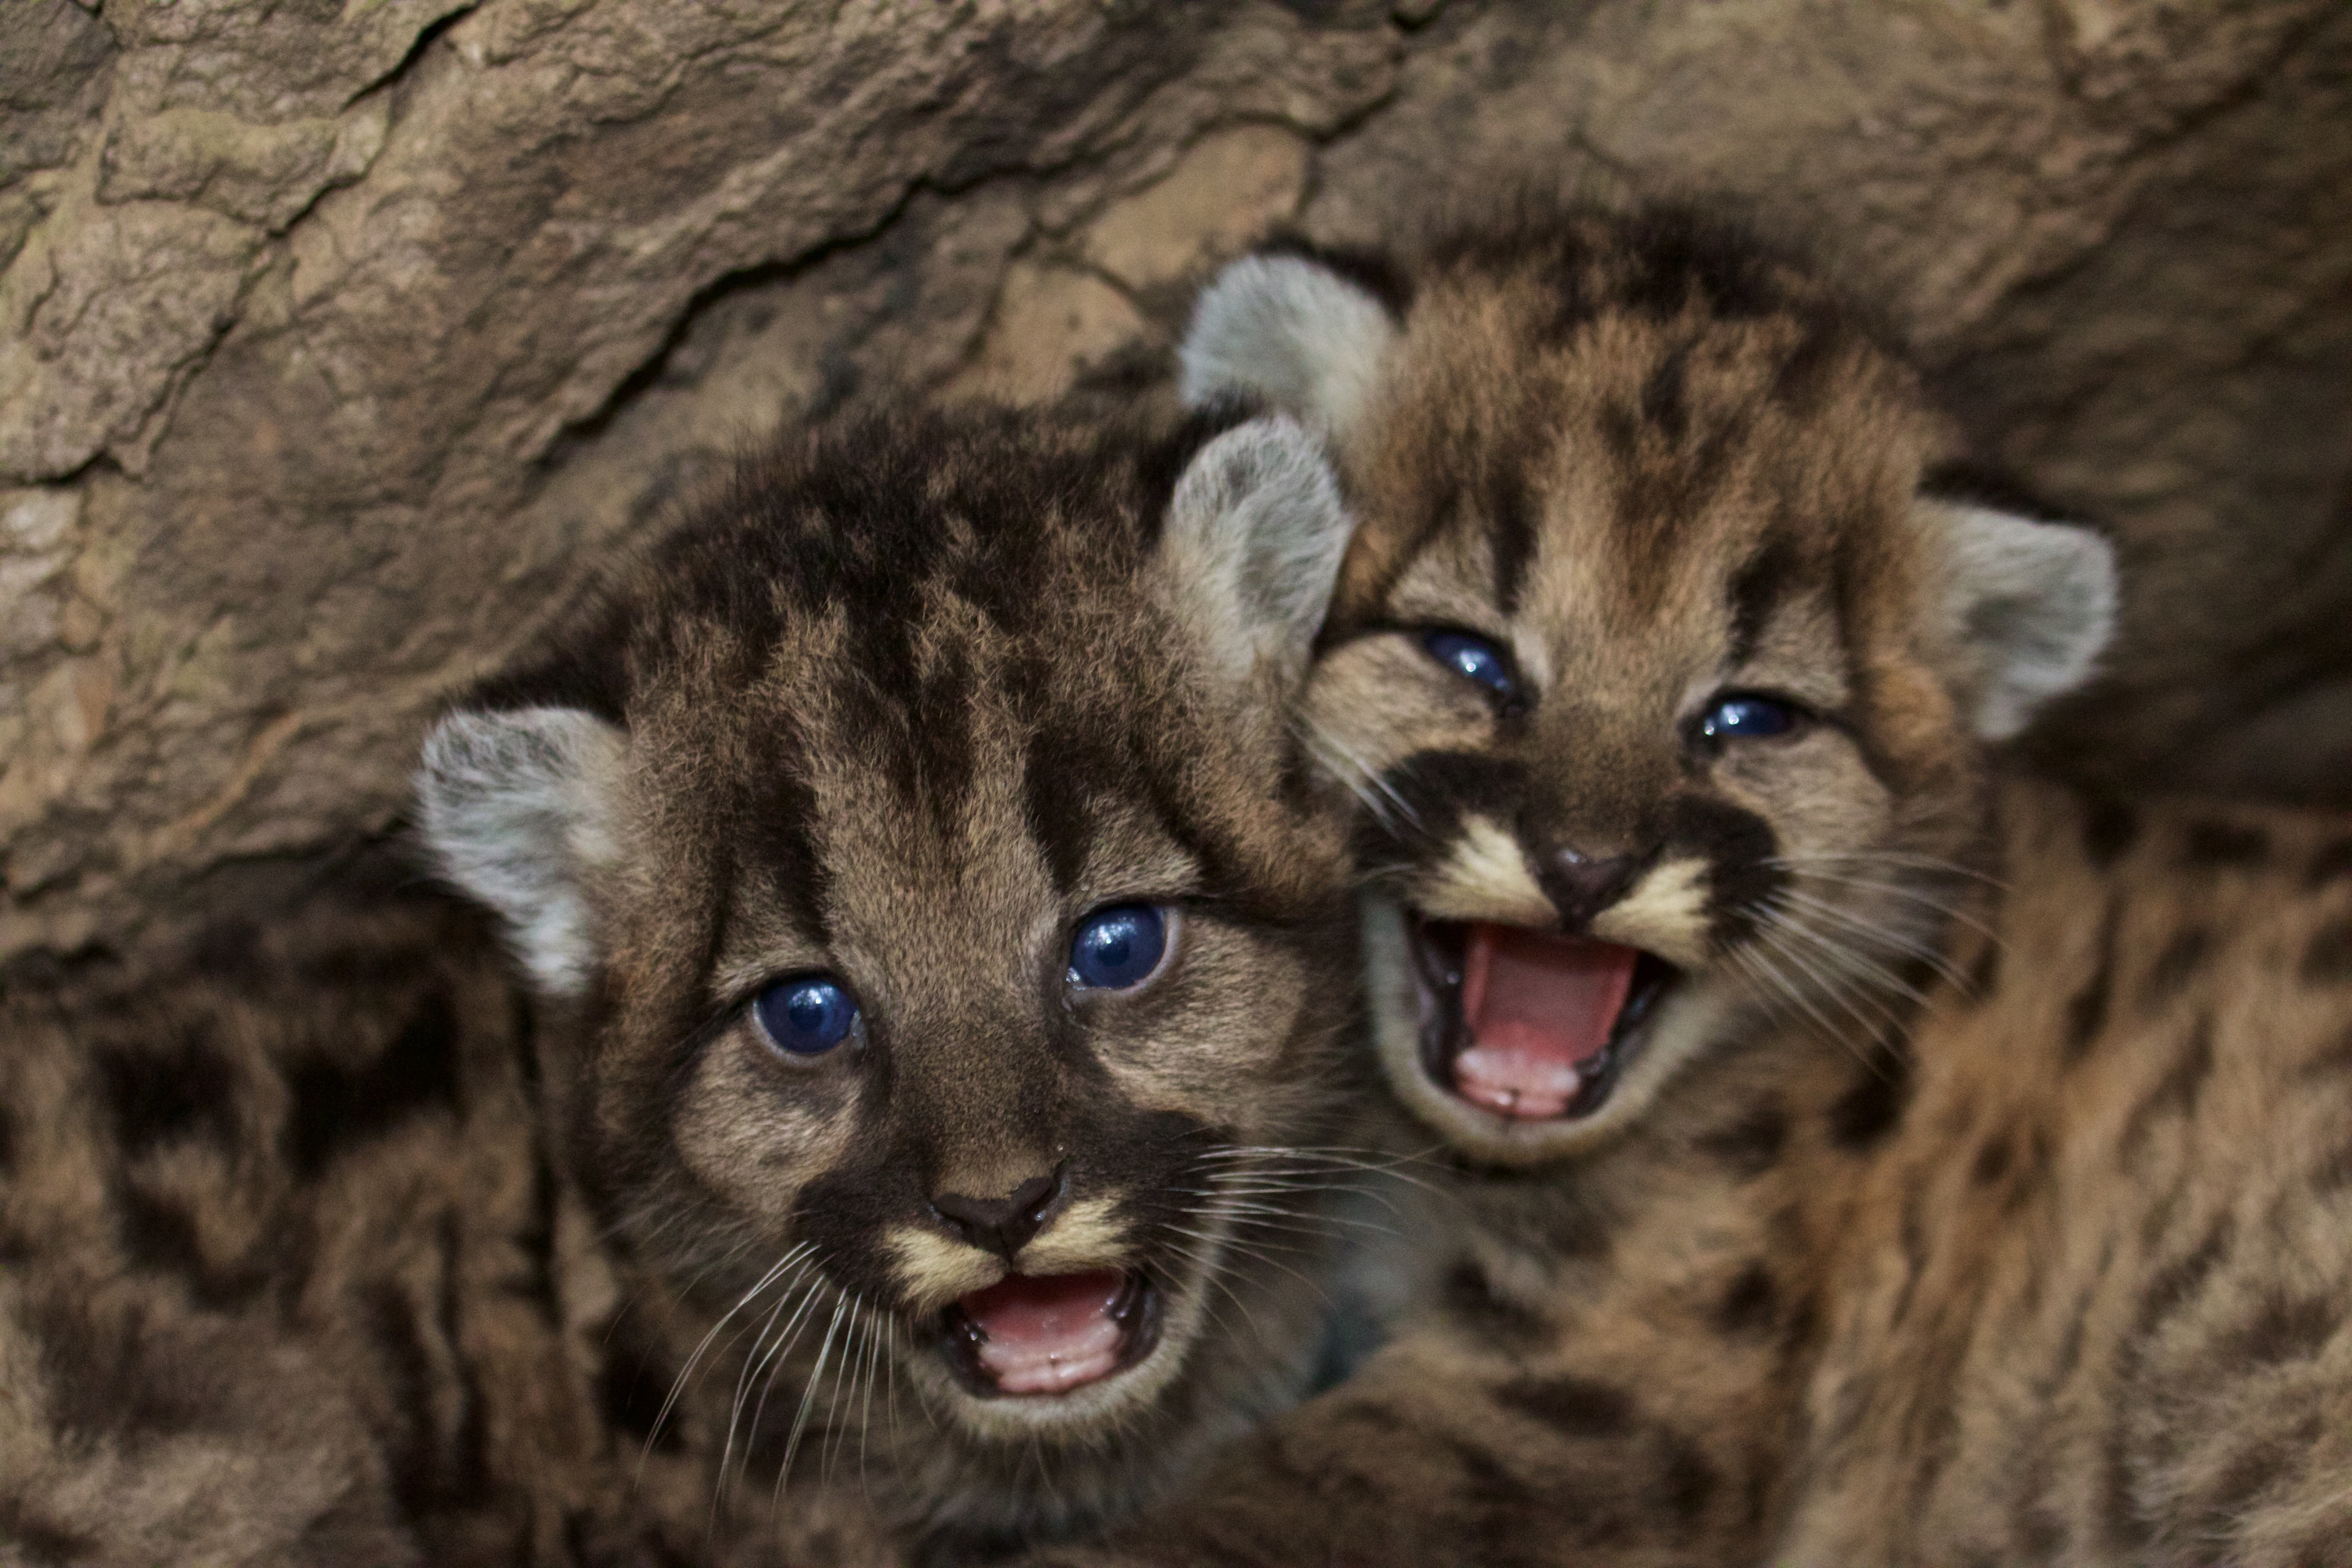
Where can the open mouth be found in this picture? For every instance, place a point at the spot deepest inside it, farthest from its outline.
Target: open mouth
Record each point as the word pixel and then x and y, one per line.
pixel 1528 1025
pixel 1041 1334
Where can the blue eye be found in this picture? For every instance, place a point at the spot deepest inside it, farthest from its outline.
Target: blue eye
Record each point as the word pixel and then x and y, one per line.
pixel 806 1017
pixel 1748 719
pixel 1119 947
pixel 1474 659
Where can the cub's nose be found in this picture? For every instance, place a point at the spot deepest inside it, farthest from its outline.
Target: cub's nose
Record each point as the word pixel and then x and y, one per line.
pixel 1581 886
pixel 1002 1226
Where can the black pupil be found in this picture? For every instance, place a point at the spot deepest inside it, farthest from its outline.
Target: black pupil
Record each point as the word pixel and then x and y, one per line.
pixel 1114 942
pixel 809 1010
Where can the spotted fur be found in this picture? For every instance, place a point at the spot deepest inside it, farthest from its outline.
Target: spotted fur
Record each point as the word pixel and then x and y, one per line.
pixel 1978 1192
pixel 325 1252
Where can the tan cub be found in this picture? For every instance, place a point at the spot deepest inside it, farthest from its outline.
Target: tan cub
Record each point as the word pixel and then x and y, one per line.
pixel 949 977
pixel 1868 1157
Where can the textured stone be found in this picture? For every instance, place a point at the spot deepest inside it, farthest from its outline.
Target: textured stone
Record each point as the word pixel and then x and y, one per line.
pixel 338 343
pixel 1053 326
pixel 1229 190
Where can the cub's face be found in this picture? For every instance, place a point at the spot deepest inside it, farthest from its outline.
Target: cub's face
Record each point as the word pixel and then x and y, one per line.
pixel 965 959
pixel 1660 675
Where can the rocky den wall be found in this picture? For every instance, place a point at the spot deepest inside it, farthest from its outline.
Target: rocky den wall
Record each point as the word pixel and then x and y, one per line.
pixel 339 339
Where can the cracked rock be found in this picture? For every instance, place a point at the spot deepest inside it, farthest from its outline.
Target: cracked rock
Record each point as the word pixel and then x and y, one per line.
pixel 339 343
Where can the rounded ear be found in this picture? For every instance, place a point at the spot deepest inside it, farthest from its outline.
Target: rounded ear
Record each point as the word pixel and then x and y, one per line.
pixel 1286 332
pixel 1252 547
pixel 517 808
pixel 2034 602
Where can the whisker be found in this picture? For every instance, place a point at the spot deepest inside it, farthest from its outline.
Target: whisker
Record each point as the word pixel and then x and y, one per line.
pixel 1903 942
pixel 678 1383
pixel 808 1395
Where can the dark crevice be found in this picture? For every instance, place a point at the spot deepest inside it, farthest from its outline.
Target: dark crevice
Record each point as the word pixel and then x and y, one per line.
pixel 415 52
pixel 584 432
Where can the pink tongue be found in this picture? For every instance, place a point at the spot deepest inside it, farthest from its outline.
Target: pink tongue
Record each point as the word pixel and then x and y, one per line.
pixel 1536 1007
pixel 1043 1334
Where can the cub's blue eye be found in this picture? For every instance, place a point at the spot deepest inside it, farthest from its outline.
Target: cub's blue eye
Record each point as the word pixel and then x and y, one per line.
pixel 806 1017
pixel 1474 659
pixel 1119 947
pixel 1748 719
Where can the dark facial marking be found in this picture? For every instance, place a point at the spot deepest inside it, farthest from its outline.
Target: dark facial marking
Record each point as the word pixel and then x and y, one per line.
pixel 2225 844
pixel 939 743
pixel 8 1143
pixel 1736 845
pixel 1060 779
pixel 336 1106
pixel 2329 960
pixel 2086 1014
pixel 1437 790
pixel 1659 494
pixel 157 1096
pixel 1511 526
pixel 774 815
pixel 1757 589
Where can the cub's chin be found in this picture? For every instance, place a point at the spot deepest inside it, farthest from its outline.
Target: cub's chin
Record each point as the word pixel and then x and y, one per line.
pixel 1519 1046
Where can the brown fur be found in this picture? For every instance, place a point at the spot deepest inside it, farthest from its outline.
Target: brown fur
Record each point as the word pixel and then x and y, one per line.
pixel 2014 1230
pixel 294 1274
pixel 321 1249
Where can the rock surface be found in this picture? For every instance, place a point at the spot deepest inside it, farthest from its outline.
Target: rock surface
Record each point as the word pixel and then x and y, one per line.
pixel 338 343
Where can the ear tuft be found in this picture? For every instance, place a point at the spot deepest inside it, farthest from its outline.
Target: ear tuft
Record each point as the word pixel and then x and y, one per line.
pixel 1289 334
pixel 1256 531
pixel 2035 601
pixel 517 808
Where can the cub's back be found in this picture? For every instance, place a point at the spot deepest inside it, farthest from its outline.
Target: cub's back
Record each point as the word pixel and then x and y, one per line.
pixel 2098 1303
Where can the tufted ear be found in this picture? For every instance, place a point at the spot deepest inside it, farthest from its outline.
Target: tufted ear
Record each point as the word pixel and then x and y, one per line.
pixel 2034 602
pixel 519 808
pixel 1287 333
pixel 1251 546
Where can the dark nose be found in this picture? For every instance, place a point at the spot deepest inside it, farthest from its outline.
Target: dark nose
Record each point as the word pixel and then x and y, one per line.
pixel 1004 1226
pixel 1581 886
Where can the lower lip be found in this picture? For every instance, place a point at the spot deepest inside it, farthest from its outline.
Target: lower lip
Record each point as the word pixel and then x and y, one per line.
pixel 1136 1312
